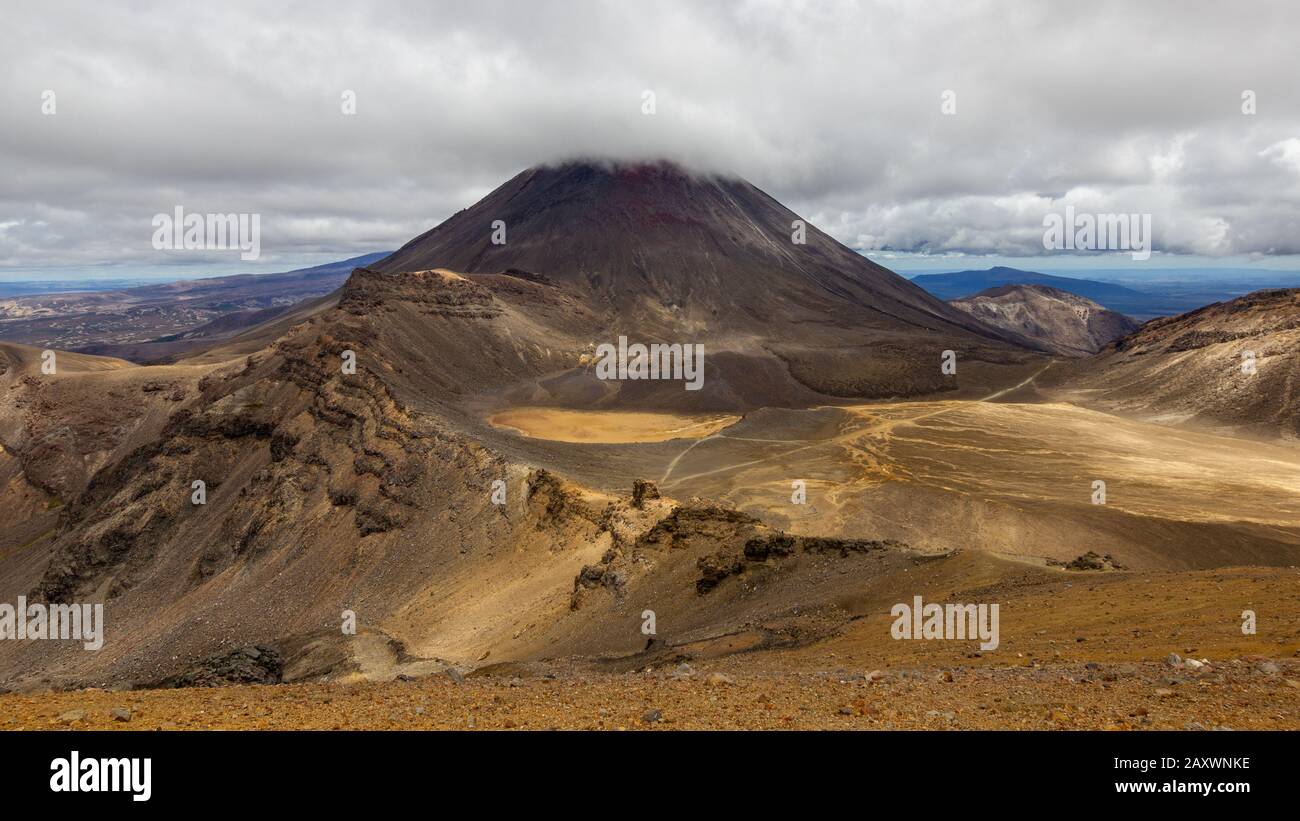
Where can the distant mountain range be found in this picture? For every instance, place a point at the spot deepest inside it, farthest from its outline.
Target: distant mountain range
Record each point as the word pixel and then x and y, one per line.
pixel 1128 301
pixel 32 287
pixel 145 322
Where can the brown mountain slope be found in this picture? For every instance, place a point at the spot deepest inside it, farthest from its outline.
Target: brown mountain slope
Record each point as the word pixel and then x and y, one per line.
pixel 1194 368
pixel 59 429
pixel 67 424
pixel 1053 319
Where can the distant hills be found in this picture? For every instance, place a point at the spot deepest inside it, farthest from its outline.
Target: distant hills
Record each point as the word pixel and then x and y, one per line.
pixel 33 287
pixel 1052 319
pixel 1134 303
pixel 143 322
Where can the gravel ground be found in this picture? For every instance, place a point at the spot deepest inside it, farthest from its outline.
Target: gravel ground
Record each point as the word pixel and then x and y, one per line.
pixel 1234 694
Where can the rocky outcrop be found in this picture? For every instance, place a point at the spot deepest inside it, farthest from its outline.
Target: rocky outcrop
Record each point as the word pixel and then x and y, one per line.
pixel 776 547
pixel 251 664
pixel 437 293
pixel 1089 561
pixel 725 542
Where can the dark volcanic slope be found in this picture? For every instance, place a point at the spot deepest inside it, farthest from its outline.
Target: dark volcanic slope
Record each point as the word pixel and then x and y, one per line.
pixel 1188 368
pixel 663 255
pixel 700 246
pixel 1058 321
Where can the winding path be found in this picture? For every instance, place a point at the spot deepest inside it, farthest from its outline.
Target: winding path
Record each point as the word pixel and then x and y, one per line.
pixel 944 407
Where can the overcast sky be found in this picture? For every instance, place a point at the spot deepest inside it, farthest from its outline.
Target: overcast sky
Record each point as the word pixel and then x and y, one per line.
pixel 834 108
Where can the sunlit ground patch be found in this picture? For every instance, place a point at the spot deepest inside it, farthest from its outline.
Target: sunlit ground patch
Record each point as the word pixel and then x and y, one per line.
pixel 608 427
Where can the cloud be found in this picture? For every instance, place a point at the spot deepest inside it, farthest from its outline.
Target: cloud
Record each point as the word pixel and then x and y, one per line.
pixel 833 107
pixel 1285 154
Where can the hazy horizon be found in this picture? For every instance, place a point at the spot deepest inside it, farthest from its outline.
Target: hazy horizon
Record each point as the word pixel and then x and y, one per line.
pixel 907 265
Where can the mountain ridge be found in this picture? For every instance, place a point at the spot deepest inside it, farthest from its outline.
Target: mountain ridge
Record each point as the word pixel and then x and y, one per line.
pixel 1192 368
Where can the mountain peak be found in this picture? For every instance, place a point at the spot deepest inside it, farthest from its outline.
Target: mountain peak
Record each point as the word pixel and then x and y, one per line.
pixel 657 233
pixel 630 170
pixel 659 252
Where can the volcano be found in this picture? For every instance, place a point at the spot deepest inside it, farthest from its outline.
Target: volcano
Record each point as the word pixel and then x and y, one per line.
pixel 715 252
pixel 657 253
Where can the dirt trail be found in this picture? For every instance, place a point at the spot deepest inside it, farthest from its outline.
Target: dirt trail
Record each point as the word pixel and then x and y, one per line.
pixel 607 427
pixel 880 425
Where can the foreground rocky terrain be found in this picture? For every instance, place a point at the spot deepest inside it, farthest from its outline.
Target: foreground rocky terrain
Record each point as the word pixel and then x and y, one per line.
pixel 1078 652
pixel 1054 697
